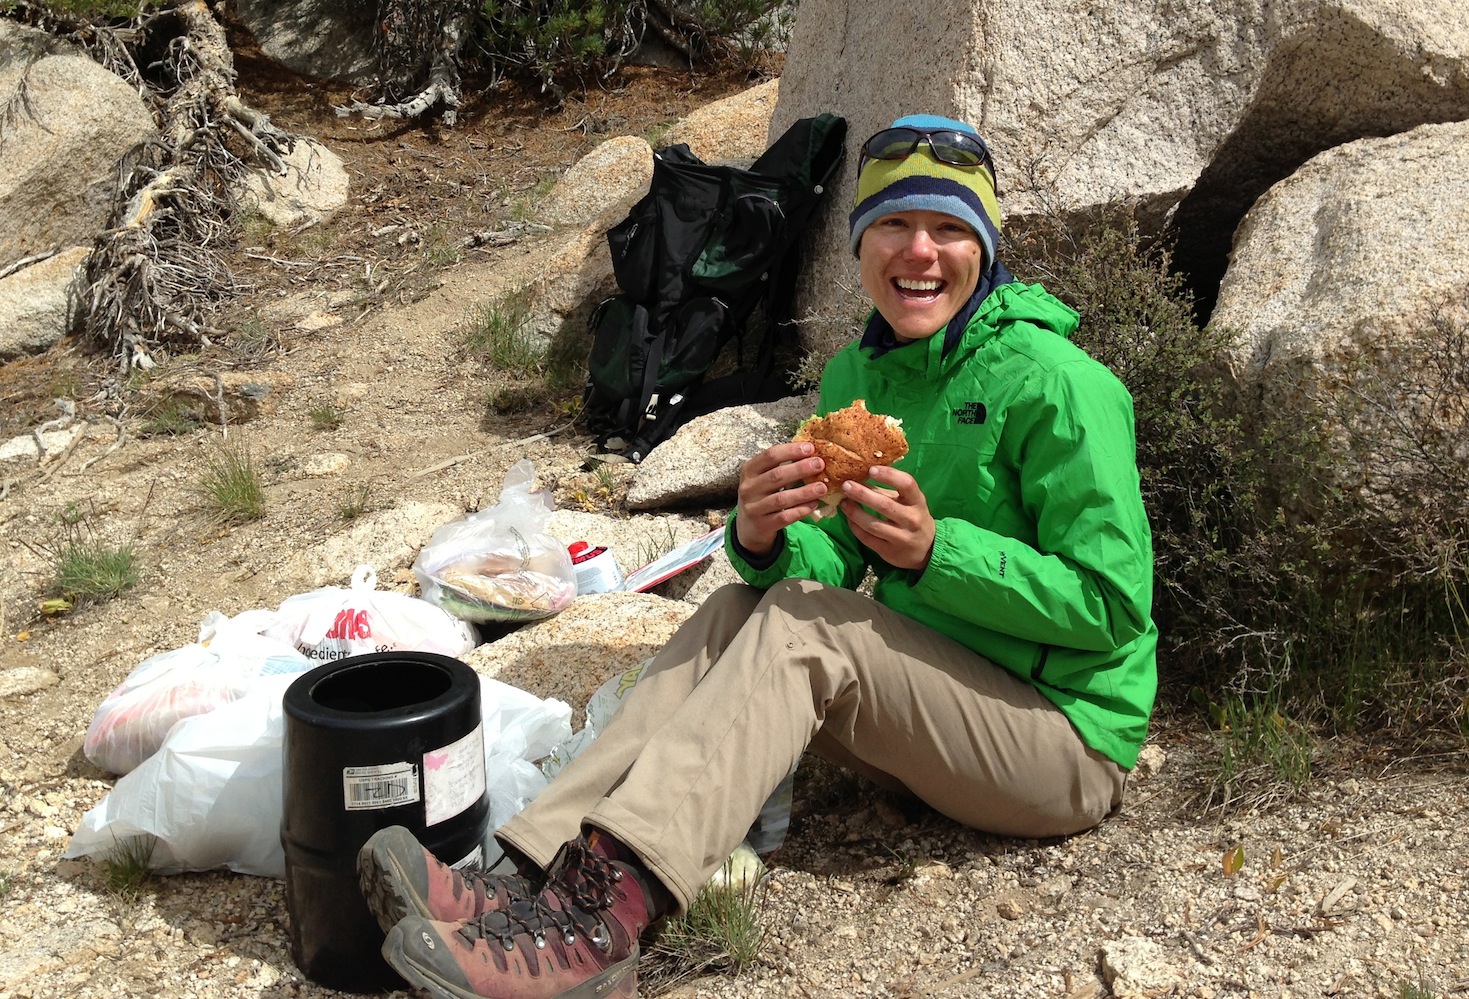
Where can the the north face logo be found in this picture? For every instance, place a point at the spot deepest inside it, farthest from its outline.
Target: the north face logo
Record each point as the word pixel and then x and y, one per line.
pixel 971 413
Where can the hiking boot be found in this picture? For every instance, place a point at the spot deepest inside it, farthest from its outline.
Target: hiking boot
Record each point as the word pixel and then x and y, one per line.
pixel 400 878
pixel 577 940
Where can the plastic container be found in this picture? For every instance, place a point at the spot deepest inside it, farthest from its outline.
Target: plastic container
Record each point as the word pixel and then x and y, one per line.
pixel 391 738
pixel 596 569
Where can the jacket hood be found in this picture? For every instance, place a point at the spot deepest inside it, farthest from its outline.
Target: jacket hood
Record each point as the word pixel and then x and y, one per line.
pixel 1007 304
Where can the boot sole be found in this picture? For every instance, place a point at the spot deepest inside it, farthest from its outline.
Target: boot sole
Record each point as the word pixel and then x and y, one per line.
pixel 620 981
pixel 381 880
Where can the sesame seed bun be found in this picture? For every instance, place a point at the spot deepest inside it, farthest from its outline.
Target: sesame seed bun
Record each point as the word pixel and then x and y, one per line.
pixel 851 441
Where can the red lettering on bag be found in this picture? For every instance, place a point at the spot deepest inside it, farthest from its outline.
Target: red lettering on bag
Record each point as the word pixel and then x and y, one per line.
pixel 350 624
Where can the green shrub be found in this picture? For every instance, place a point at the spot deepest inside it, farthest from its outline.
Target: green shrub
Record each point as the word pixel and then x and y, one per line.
pixel 560 42
pixel 86 570
pixel 1310 561
pixel 232 485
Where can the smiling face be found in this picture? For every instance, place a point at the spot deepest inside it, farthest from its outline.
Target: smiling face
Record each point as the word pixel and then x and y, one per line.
pixel 919 268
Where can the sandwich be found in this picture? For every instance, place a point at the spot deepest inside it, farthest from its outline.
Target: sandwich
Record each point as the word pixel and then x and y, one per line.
pixel 851 441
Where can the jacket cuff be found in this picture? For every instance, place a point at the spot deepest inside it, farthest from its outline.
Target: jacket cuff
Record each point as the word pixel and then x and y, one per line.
pixel 757 562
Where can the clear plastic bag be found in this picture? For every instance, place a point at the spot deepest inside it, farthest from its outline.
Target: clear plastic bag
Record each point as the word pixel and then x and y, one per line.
pixel 227 661
pixel 499 564
pixel 332 623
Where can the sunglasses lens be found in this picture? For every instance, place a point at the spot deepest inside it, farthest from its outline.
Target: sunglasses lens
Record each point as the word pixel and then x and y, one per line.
pixel 948 146
pixel 957 148
pixel 891 144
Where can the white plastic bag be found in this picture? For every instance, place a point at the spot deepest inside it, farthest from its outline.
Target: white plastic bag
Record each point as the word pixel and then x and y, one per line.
pixel 212 795
pixel 499 564
pixel 228 659
pixel 332 623
pixel 520 729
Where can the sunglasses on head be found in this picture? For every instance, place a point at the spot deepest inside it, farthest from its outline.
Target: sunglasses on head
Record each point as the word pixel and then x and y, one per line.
pixel 960 149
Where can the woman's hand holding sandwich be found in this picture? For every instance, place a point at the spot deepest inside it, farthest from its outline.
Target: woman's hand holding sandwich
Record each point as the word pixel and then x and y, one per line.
pixel 772 495
pixel 899 528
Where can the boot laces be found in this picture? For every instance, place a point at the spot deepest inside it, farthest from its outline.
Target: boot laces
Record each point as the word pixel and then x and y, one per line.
pixel 583 885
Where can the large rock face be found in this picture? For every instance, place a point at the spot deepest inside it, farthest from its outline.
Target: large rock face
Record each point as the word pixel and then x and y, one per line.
pixel 1348 255
pixel 1182 106
pixel 72 121
pixel 328 39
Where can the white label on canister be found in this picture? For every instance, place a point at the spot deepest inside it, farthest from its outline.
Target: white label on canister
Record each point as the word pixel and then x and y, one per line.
pixel 453 777
pixel 386 785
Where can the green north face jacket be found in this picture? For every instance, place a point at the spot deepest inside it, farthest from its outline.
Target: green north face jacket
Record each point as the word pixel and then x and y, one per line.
pixel 1043 562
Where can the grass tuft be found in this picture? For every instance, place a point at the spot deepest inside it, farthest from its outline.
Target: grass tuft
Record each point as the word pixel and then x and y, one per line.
pixel 233 485
pixel 1416 990
pixel 1263 755
pixel 326 417
pixel 88 571
pixel 357 501
pixel 126 865
pixel 499 333
pixel 172 418
pixel 723 931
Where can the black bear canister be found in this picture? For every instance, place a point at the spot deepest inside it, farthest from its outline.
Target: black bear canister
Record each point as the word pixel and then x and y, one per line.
pixel 390 738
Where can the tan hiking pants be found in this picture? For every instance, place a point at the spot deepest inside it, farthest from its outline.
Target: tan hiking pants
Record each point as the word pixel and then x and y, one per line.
pixel 755 677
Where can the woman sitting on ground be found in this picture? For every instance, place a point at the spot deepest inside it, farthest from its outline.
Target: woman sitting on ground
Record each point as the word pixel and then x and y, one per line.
pixel 1003 670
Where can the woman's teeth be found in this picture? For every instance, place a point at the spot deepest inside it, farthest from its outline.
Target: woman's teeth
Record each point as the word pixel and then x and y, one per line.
pixel 911 287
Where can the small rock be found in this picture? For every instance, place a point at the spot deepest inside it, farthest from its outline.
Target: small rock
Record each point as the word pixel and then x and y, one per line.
pixel 1009 908
pixel 1150 760
pixel 25 680
pixel 330 463
pixel 1135 967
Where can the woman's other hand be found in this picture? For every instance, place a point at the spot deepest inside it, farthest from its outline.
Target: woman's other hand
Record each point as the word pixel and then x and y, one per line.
pixel 899 527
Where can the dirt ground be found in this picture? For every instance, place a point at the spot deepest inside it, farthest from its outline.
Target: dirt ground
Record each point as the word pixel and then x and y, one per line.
pixel 1357 888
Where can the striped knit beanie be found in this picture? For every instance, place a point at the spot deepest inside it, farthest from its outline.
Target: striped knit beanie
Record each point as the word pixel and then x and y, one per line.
pixel 920 182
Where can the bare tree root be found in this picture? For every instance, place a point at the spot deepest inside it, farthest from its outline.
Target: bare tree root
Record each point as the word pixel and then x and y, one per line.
pixel 409 28
pixel 157 273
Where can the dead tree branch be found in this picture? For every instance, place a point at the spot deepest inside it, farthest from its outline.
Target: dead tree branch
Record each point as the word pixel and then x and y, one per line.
pixel 157 272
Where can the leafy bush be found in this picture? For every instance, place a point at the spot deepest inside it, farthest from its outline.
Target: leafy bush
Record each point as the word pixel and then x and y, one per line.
pixel 1310 562
pixel 560 41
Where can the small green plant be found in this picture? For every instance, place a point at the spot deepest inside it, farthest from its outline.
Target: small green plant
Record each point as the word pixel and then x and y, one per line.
pixel 1416 990
pixel 86 570
pixel 657 543
pixel 96 10
pixel 358 500
pixel 325 416
pixel 172 418
pixel 256 228
pixel 74 513
pixel 253 339
pixel 1262 753
pixel 498 333
pixel 232 484
pixel 66 385
pixel 126 865
pixel 722 931
pixel 6 880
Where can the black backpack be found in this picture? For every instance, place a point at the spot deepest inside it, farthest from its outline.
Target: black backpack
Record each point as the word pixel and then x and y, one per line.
pixel 693 259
